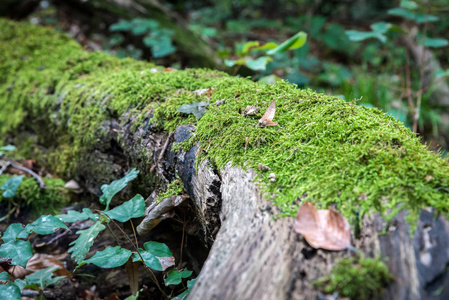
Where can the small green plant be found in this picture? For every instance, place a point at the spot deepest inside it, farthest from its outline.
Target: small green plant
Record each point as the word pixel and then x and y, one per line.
pixel 158 39
pixel 356 278
pixel 247 51
pixel 37 281
pixel 155 256
pixel 173 188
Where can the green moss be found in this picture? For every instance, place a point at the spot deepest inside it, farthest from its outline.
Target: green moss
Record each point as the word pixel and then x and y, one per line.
pixel 41 201
pixel 356 278
pixel 174 188
pixel 324 149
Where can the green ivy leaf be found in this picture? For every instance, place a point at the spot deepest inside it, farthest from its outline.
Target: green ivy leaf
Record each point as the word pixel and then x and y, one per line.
pixel 6 148
pixel 381 27
pixel 267 46
pixel 133 208
pixel 357 36
pixel 435 42
pixel 10 291
pixel 43 278
pixel 13 232
pixel 258 64
pixel 4 276
pixel 408 4
pixel 121 26
pixel 414 16
pixel 162 47
pixel 296 41
pixel 198 109
pixel 186 293
pixel 174 277
pixel 83 243
pixel 18 251
pixel 73 216
pixel 115 39
pixel 109 190
pixel 20 283
pixel 45 225
pixel 111 257
pixel 157 256
pixel 442 73
pixel 231 63
pixel 249 45
pixel 10 186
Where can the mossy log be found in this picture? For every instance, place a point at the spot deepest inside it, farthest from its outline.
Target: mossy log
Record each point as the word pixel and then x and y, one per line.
pixel 92 117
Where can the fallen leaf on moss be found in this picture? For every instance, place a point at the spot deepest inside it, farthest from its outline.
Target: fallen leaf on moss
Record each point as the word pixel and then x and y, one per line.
pixel 208 92
pixel 250 110
pixel 323 228
pixel 267 118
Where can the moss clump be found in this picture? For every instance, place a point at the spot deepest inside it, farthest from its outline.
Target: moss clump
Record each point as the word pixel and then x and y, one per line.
pixel 174 188
pixel 325 149
pixel 356 278
pixel 41 201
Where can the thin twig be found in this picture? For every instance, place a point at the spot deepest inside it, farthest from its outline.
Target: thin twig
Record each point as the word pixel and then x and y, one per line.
pixel 161 156
pixel 294 150
pixel 63 233
pixel 182 241
pixel 4 168
pixel 408 84
pixel 22 168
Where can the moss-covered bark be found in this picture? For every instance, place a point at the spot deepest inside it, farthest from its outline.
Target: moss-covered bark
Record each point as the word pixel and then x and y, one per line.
pixel 92 116
pixel 326 149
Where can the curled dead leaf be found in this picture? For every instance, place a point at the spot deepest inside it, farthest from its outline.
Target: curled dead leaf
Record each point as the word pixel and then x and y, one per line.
pixel 250 110
pixel 166 262
pixel 323 228
pixel 267 118
pixel 207 92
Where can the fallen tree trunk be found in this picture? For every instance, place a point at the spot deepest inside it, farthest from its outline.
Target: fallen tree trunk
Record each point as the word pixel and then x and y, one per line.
pixel 91 117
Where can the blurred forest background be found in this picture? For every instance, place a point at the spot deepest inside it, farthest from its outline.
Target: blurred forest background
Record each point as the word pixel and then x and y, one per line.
pixel 392 55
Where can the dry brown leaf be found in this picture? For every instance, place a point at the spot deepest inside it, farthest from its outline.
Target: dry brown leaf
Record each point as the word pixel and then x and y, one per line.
pixel 132 268
pixel 38 262
pixel 323 228
pixel 250 110
pixel 166 262
pixel 112 296
pixel 208 92
pixel 267 118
